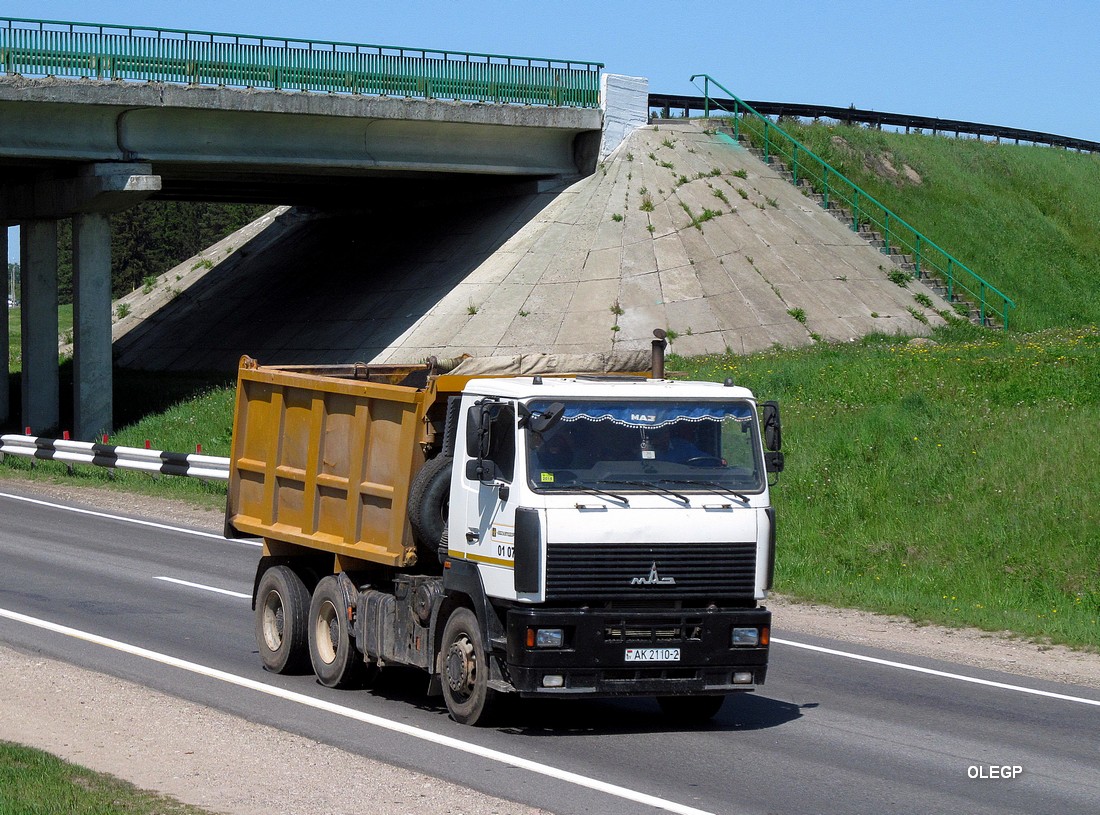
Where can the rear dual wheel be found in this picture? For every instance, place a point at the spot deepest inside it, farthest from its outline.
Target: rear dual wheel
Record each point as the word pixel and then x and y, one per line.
pixel 336 660
pixel 282 606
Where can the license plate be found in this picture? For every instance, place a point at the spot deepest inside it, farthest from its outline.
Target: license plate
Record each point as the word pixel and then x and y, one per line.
pixel 652 654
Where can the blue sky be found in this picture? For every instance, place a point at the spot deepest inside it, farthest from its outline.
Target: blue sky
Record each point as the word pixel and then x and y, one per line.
pixel 1021 64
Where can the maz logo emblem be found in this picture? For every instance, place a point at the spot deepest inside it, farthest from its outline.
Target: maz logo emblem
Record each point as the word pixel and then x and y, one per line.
pixel 653 579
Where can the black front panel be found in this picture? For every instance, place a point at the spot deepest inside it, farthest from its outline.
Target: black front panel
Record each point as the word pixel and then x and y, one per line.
pixel 615 571
pixel 592 660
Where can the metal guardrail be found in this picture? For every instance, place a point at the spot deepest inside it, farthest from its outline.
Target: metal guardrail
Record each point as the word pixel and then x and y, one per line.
pixel 867 213
pixel 102 51
pixel 193 465
pixel 852 115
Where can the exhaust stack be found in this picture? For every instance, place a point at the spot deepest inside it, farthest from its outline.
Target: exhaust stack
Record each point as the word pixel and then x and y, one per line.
pixel 658 364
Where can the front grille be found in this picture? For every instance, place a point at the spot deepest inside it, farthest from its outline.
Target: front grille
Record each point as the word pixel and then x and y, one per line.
pixel 633 631
pixel 607 571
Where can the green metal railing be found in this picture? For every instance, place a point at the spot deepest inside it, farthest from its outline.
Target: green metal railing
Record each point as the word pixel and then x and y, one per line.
pixel 867 213
pixel 95 51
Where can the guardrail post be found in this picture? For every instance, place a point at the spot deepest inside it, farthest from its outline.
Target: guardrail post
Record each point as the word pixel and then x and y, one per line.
pixel 950 280
pixel 825 184
pixel 886 234
pixel 794 165
pixel 916 255
pixel 767 124
pixel 981 314
pixel 855 210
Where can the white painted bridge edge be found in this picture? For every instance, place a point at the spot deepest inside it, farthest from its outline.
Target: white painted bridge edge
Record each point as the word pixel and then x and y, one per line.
pixel 112 456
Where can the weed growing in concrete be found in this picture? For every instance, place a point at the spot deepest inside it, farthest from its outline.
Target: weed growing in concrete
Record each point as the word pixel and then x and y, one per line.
pixel 898 276
pixel 670 335
pixel 668 165
pixel 123 310
pixel 616 309
pixel 743 194
pixel 650 228
pixel 740 172
pixel 923 299
pixel 148 284
pixel 647 204
pixel 203 263
pixel 668 143
pixel 523 313
pixel 772 202
pixel 918 315
pixel 798 313
pixel 471 309
pixel 721 196
pixel 616 217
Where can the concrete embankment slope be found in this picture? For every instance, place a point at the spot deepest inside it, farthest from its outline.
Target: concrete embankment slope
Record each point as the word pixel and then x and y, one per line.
pixel 592 267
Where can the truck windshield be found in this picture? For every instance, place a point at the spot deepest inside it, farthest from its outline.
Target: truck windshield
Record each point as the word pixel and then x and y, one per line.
pixel 625 446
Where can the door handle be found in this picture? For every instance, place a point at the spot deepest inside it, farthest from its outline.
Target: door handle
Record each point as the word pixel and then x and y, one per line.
pixel 472 536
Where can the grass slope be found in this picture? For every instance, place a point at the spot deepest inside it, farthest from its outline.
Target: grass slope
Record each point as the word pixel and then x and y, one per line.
pixel 1023 217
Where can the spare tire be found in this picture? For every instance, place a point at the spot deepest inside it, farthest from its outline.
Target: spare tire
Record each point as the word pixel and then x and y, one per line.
pixel 429 498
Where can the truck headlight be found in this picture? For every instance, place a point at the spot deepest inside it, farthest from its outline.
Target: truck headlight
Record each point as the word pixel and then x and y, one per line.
pixel 741 637
pixel 545 637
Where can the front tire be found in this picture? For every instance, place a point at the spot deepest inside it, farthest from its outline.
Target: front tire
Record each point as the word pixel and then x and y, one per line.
pixel 282 607
pixel 336 660
pixel 465 670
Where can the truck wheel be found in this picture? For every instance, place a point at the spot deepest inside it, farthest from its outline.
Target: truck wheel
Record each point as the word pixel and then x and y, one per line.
pixel 466 670
pixel 693 709
pixel 282 605
pixel 429 498
pixel 336 661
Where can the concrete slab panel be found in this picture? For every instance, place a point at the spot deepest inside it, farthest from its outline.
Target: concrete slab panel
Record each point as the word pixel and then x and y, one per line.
pixel 680 284
pixel 670 252
pixel 602 263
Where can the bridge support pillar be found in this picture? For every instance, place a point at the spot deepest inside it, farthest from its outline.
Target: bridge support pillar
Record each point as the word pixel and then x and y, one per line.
pixel 93 402
pixel 88 197
pixel 5 349
pixel 38 317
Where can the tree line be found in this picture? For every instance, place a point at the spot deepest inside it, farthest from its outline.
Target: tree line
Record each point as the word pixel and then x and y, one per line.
pixel 149 239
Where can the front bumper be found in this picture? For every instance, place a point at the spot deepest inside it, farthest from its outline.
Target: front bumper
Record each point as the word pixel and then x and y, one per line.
pixel 592 661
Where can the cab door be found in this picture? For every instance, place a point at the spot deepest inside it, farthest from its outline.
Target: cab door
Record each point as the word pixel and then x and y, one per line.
pixel 484 501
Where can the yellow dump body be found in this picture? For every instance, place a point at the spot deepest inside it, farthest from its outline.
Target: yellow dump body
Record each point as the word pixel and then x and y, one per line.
pixel 322 457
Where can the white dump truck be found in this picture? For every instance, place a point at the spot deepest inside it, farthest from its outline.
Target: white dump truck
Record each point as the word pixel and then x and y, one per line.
pixel 568 536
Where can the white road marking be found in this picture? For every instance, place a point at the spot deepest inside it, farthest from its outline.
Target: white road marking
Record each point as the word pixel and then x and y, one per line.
pixel 203 587
pixel 124 519
pixel 942 674
pixel 357 715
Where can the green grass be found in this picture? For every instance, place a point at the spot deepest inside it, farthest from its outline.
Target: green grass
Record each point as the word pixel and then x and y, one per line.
pixel 954 483
pixel 1022 217
pixel 15 329
pixel 36 783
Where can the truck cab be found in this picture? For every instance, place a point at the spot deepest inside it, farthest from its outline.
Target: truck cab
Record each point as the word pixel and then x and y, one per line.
pixel 621 533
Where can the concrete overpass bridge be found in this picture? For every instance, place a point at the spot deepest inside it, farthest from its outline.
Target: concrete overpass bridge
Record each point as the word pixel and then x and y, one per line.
pixel 95 118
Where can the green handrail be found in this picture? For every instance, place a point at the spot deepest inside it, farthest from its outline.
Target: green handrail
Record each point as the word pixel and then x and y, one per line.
pixel 102 51
pixel 867 212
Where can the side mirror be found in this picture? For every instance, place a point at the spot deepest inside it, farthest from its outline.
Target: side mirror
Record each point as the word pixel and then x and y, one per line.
pixel 475 431
pixel 773 461
pixel 481 469
pixel 773 428
pixel 547 419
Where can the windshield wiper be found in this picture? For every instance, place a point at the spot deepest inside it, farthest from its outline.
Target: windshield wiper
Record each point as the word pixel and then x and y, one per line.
pixel 714 485
pixel 600 492
pixel 648 487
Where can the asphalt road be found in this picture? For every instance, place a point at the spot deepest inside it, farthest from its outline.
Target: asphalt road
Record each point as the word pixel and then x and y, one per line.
pixel 829 733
